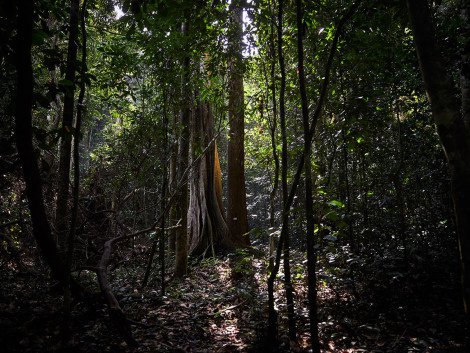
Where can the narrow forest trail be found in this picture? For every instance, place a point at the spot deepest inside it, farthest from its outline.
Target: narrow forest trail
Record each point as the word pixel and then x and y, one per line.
pixel 221 306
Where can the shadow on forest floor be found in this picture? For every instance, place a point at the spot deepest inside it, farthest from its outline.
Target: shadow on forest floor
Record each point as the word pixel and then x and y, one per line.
pixel 221 306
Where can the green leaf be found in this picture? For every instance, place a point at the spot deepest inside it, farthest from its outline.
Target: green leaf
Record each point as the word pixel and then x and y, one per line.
pixel 336 203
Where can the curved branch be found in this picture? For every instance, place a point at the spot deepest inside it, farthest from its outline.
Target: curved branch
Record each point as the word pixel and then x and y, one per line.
pixel 115 312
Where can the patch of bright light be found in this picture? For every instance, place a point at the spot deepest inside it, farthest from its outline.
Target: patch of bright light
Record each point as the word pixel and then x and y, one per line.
pixel 118 12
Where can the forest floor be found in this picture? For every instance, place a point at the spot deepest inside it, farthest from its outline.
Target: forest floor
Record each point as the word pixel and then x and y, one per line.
pixel 221 306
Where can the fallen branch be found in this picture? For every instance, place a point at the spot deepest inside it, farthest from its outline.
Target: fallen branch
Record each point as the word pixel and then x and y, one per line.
pixel 115 312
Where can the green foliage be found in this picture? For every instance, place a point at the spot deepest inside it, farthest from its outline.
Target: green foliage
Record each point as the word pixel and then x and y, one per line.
pixel 381 188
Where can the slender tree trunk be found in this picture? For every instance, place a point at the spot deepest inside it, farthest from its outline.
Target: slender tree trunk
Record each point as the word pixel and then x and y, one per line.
pixel 148 268
pixel 284 239
pixel 272 321
pixel 273 129
pixel 397 173
pixel 160 239
pixel 181 248
pixel 76 183
pixel 236 193
pixel 161 254
pixel 62 209
pixel 311 253
pixel 49 156
pixel 398 185
pixel 163 200
pixel 173 217
pixel 347 193
pixel 285 189
pixel 453 132
pixel 365 201
pixel 347 201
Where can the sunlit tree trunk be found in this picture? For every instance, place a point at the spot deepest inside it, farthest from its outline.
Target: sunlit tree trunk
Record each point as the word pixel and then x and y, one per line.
pixel 207 229
pixel 62 209
pixel 236 192
pixel 453 132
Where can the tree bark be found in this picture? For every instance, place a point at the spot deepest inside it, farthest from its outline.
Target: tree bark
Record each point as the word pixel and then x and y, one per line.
pixel 173 181
pixel 218 180
pixel 451 127
pixel 24 142
pixel 62 209
pixel 284 239
pixel 207 229
pixel 273 128
pixel 236 192
pixel 272 326
pixel 285 189
pixel 311 253
pixel 76 182
pixel 115 312
pixel 181 247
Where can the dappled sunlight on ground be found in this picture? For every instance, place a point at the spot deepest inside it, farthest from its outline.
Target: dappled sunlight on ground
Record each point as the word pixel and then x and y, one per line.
pixel 221 306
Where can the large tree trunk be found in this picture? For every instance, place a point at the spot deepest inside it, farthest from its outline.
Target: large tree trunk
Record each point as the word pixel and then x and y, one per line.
pixel 62 209
pixel 207 229
pixel 451 127
pixel 236 192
